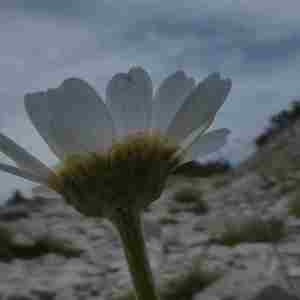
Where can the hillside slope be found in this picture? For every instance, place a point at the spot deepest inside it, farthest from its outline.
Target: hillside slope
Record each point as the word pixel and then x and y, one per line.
pixel 184 234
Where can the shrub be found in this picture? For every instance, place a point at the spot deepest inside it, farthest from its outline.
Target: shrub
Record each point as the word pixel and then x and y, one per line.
pixel 265 137
pixel 197 169
pixel 186 285
pixel 10 249
pixel 279 122
pixel 187 195
pixel 192 200
pixel 51 245
pixel 6 238
pixel 168 220
pixel 221 182
pixel 181 286
pixel 295 110
pixel 294 206
pixel 251 231
pixel 174 210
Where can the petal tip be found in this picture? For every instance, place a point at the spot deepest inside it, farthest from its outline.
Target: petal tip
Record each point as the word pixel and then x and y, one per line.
pixel 72 82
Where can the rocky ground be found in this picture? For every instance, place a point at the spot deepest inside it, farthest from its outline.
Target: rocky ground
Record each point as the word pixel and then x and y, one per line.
pixel 179 237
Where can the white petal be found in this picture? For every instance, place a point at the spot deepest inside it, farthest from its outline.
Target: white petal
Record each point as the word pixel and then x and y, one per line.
pixel 71 118
pixel 22 173
pixel 200 105
pixel 129 98
pixel 192 137
pixel 207 143
pixel 23 158
pixel 45 192
pixel 168 99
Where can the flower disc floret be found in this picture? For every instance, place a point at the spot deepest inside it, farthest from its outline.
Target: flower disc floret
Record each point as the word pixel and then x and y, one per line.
pixel 130 175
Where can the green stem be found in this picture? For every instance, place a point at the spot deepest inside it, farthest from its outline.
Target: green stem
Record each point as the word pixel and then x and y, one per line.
pixel 129 226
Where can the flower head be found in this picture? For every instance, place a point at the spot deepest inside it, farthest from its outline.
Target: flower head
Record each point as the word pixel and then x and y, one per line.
pixel 130 174
pixel 119 153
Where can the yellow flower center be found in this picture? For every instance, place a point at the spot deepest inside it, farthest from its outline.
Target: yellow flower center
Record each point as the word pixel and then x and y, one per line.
pixel 131 175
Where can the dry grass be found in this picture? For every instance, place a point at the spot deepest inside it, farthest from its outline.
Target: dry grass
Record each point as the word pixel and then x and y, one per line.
pixel 191 199
pixel 251 231
pixel 294 205
pixel 181 286
pixel 9 249
pixel 204 170
pixel 168 220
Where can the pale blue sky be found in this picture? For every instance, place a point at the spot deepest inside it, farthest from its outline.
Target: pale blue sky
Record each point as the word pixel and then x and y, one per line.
pixel 256 43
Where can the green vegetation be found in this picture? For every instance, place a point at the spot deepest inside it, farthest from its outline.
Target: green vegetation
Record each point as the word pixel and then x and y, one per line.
pixel 9 249
pixel 281 158
pixel 208 169
pixel 181 286
pixel 191 199
pixel 281 163
pixel 251 231
pixel 294 205
pixel 6 237
pixel 278 122
pixel 187 195
pixel 168 220
pixel 221 182
pixel 174 209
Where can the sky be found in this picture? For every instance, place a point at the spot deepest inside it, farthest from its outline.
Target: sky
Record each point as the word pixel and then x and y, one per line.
pixel 255 43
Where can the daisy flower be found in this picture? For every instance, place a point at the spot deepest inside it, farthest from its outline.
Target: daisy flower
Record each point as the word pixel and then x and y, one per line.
pixel 117 155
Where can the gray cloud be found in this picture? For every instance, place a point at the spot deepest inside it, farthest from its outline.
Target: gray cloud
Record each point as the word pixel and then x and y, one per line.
pixel 210 40
pixel 56 8
pixel 274 52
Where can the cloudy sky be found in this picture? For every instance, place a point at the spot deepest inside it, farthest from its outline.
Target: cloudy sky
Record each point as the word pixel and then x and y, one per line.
pixel 256 43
